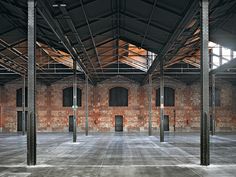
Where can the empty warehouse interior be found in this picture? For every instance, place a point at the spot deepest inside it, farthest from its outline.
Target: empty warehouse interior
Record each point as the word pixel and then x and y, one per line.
pixel 118 88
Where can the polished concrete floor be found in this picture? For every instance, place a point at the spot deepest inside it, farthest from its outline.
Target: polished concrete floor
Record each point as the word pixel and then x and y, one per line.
pixel 117 154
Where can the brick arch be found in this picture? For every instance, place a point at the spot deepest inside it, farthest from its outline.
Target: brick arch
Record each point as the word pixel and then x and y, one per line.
pixel 66 86
pixel 118 85
pixel 169 82
pixel 169 86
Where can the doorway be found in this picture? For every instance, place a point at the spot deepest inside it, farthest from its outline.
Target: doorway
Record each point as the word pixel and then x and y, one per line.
pixel 166 123
pixel 118 123
pixel 71 123
pixel 20 120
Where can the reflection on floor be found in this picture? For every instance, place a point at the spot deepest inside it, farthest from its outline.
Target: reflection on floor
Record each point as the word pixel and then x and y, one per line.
pixel 117 154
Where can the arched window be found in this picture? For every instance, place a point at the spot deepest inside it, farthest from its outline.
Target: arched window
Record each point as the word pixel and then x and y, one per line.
pixel 19 97
pixel 169 97
pixel 68 97
pixel 118 96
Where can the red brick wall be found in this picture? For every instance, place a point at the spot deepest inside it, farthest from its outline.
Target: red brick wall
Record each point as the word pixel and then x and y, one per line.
pixel 234 107
pixel 1 108
pixel 52 116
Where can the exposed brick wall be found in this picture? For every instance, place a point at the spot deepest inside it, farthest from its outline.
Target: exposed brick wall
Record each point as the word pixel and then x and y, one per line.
pixel 1 123
pixel 52 116
pixel 234 106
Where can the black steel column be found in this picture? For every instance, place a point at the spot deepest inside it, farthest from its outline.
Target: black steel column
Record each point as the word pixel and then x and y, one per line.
pixel 161 102
pixel 31 121
pixel 86 106
pixel 150 106
pixel 213 106
pixel 205 151
pixel 74 100
pixel 174 120
pixel 23 107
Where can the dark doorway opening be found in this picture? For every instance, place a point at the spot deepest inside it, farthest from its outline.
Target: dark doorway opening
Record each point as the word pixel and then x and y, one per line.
pixel 118 123
pixel 166 123
pixel 71 123
pixel 20 121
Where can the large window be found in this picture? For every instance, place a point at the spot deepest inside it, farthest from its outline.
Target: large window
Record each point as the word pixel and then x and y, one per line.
pixel 118 96
pixel 217 97
pixel 220 55
pixel 19 97
pixel 151 57
pixel 169 97
pixel 68 97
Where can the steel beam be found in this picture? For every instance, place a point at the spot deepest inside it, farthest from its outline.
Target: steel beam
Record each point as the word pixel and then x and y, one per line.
pixel 138 34
pixel 16 52
pixel 91 34
pixel 55 27
pixel 98 73
pixel 74 101
pixel 150 106
pixel 148 23
pixel 75 32
pixel 213 105
pixel 134 53
pixel 9 67
pixel 220 55
pixel 133 17
pixel 23 107
pixel 224 67
pixel 163 7
pixel 93 21
pixel 31 121
pixel 86 106
pixel 189 15
pixel 161 102
pixel 205 150
pixel 118 35
pixel 174 120
pixel 12 62
pixel 7 47
pixel 100 44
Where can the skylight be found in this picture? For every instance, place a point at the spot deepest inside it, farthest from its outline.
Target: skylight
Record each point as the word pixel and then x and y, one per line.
pixel 220 55
pixel 151 56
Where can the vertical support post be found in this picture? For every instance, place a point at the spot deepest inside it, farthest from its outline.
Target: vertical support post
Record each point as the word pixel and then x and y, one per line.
pixel 74 101
pixel 161 102
pixel 205 151
pixel 150 106
pixel 174 120
pixel 231 54
pixel 213 92
pixel 23 107
pixel 221 55
pixel 86 107
pixel 31 121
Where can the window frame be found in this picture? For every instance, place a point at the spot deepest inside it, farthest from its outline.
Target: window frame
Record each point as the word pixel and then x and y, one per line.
pixel 120 102
pixel 19 98
pixel 166 94
pixel 69 93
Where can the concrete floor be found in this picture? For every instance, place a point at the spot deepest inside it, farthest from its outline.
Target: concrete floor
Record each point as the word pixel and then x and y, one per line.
pixel 117 154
